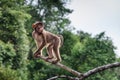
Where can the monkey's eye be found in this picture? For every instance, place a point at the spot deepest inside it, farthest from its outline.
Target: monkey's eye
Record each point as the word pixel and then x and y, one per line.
pixel 38 27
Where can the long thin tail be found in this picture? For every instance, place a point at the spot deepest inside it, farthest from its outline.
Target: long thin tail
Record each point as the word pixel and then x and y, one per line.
pixel 61 38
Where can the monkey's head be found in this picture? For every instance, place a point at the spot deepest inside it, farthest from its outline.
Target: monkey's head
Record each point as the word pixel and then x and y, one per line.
pixel 38 26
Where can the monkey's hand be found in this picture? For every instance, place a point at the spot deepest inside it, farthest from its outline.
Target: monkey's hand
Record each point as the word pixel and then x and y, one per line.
pixel 37 54
pixel 55 61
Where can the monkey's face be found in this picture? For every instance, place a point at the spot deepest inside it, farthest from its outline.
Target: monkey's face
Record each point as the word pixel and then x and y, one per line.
pixel 39 28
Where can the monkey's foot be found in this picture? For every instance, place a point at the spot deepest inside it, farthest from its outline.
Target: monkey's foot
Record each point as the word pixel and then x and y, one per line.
pixel 55 61
pixel 48 58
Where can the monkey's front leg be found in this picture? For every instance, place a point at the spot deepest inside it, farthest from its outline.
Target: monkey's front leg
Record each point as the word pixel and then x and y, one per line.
pixel 50 52
pixel 38 52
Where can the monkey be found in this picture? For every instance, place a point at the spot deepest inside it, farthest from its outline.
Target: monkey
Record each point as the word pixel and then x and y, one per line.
pixel 48 40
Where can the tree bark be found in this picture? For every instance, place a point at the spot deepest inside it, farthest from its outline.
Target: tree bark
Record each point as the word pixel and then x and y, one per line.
pixel 63 76
pixel 99 69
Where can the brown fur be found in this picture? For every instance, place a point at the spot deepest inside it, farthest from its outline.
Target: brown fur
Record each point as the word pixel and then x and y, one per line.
pixel 52 43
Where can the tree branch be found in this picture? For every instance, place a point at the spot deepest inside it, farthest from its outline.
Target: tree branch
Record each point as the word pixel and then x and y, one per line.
pixel 99 69
pixel 81 76
pixel 63 67
pixel 63 76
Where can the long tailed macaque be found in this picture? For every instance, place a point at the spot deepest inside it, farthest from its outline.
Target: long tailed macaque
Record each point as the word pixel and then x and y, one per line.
pixel 46 39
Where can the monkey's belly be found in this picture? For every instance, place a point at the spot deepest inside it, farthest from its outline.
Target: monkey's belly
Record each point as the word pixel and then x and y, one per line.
pixel 48 44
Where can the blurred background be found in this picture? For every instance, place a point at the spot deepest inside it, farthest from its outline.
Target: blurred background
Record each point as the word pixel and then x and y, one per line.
pixel 97 16
pixel 90 31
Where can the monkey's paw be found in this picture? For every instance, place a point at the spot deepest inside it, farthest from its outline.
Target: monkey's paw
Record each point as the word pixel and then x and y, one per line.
pixel 49 58
pixel 55 61
pixel 37 56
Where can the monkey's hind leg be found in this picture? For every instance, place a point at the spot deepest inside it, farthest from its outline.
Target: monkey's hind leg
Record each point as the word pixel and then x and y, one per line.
pixel 50 52
pixel 57 55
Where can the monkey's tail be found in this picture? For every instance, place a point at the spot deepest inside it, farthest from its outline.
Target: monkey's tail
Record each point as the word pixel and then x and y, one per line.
pixel 62 39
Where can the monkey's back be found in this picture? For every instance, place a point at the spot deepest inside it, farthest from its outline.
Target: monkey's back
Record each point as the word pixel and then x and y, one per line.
pixel 52 38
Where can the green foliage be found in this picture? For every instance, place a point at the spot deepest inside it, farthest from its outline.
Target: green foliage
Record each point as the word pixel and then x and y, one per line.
pixel 12 29
pixel 16 43
pixel 53 13
pixel 70 41
pixel 11 16
pixel 92 52
pixel 8 74
pixel 7 54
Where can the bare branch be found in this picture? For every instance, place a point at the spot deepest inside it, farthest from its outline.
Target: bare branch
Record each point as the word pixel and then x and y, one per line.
pixel 81 76
pixel 63 76
pixel 63 67
pixel 99 69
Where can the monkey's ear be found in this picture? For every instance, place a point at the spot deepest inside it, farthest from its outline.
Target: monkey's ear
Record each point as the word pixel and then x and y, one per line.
pixel 33 25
